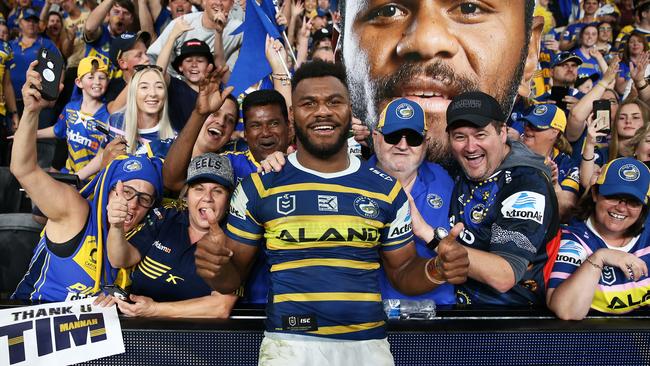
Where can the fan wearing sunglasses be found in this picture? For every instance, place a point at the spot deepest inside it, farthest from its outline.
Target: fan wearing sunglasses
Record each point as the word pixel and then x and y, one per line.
pixel 400 151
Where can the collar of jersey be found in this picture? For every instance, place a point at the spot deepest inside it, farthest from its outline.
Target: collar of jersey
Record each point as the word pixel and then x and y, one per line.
pixel 354 165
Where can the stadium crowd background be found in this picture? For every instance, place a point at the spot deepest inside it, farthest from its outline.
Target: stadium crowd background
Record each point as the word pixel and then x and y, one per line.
pixel 175 81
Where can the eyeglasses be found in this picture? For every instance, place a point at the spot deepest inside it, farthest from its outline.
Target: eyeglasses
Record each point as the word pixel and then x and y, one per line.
pixel 605 28
pixel 413 138
pixel 144 199
pixel 138 68
pixel 630 202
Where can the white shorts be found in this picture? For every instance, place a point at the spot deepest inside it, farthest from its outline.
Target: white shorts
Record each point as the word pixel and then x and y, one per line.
pixel 294 350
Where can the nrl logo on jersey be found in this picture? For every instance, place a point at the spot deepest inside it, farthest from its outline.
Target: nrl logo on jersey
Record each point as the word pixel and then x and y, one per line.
pixel 286 204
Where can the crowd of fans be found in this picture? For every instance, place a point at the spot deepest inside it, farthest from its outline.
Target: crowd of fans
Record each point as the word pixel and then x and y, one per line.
pixel 552 195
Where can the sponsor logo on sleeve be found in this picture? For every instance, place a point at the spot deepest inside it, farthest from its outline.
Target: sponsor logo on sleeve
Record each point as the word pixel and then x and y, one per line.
pixel 238 203
pixel 402 223
pixel 525 205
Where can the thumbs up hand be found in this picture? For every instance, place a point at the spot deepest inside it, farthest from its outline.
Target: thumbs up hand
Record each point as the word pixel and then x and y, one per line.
pixel 211 251
pixel 117 209
pixel 452 261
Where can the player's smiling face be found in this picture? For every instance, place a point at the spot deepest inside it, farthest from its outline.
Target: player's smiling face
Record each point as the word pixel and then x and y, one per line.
pixel 431 51
pixel 322 115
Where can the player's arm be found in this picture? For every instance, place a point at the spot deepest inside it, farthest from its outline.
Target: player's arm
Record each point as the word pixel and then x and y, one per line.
pixel 414 275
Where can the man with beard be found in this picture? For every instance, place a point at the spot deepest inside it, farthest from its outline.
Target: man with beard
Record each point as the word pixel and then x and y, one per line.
pixel 98 36
pixel 328 219
pixel 506 202
pixel 431 51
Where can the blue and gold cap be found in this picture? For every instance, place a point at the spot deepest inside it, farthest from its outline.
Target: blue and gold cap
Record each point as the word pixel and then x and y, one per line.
pixel 402 114
pixel 545 116
pixel 625 176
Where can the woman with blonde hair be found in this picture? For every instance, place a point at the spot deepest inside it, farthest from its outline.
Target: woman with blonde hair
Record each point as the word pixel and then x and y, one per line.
pixel 632 115
pixel 145 118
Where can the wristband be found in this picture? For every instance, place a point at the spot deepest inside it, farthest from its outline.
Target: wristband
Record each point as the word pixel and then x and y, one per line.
pixel 643 87
pixel 594 264
pixel 431 271
pixel 585 159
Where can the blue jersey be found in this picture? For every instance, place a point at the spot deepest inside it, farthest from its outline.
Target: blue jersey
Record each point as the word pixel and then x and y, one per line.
pixel 53 278
pixel 166 271
pixel 512 214
pixel 589 65
pixel 146 142
pixel 23 56
pixel 6 55
pixel 572 31
pixel 80 131
pixel 101 48
pixel 324 233
pixel 243 163
pixel 568 171
pixel 614 292
pixel 432 195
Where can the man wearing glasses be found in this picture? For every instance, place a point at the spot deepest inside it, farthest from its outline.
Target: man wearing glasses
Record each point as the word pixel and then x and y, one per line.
pixel 400 151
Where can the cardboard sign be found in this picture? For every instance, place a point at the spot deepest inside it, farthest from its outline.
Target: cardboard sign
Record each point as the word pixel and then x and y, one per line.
pixel 61 333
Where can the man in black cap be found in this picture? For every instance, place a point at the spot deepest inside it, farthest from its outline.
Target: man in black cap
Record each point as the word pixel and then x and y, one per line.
pixel 127 51
pixel 505 199
pixel 564 73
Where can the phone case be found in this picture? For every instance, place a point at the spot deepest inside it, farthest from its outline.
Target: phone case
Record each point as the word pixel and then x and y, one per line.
pixel 50 66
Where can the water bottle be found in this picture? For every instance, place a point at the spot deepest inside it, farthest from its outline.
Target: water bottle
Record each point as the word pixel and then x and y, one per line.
pixel 410 309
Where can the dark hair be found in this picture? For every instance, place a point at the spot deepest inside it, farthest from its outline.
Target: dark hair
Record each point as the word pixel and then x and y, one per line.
pixel 234 100
pixel 265 97
pixel 588 25
pixel 126 4
pixel 587 206
pixel 318 69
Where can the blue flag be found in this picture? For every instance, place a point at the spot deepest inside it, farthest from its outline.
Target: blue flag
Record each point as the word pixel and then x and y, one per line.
pixel 269 8
pixel 251 65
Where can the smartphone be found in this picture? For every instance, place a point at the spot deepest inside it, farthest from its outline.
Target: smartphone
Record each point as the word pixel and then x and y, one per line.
pixel 557 94
pixel 602 110
pixel 71 179
pixel 50 66
pixel 116 291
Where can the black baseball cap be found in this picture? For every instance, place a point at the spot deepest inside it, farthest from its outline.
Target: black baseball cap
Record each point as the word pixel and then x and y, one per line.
pixel 126 41
pixel 475 108
pixel 193 47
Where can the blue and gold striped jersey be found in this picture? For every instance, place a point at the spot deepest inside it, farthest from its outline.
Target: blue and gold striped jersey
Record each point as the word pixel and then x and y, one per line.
pixel 80 131
pixel 6 55
pixel 323 235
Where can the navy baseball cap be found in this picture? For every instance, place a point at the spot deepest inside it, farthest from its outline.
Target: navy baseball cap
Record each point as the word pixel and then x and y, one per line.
pixel 211 167
pixel 625 176
pixel 30 13
pixel 476 108
pixel 402 114
pixel 126 41
pixel 566 56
